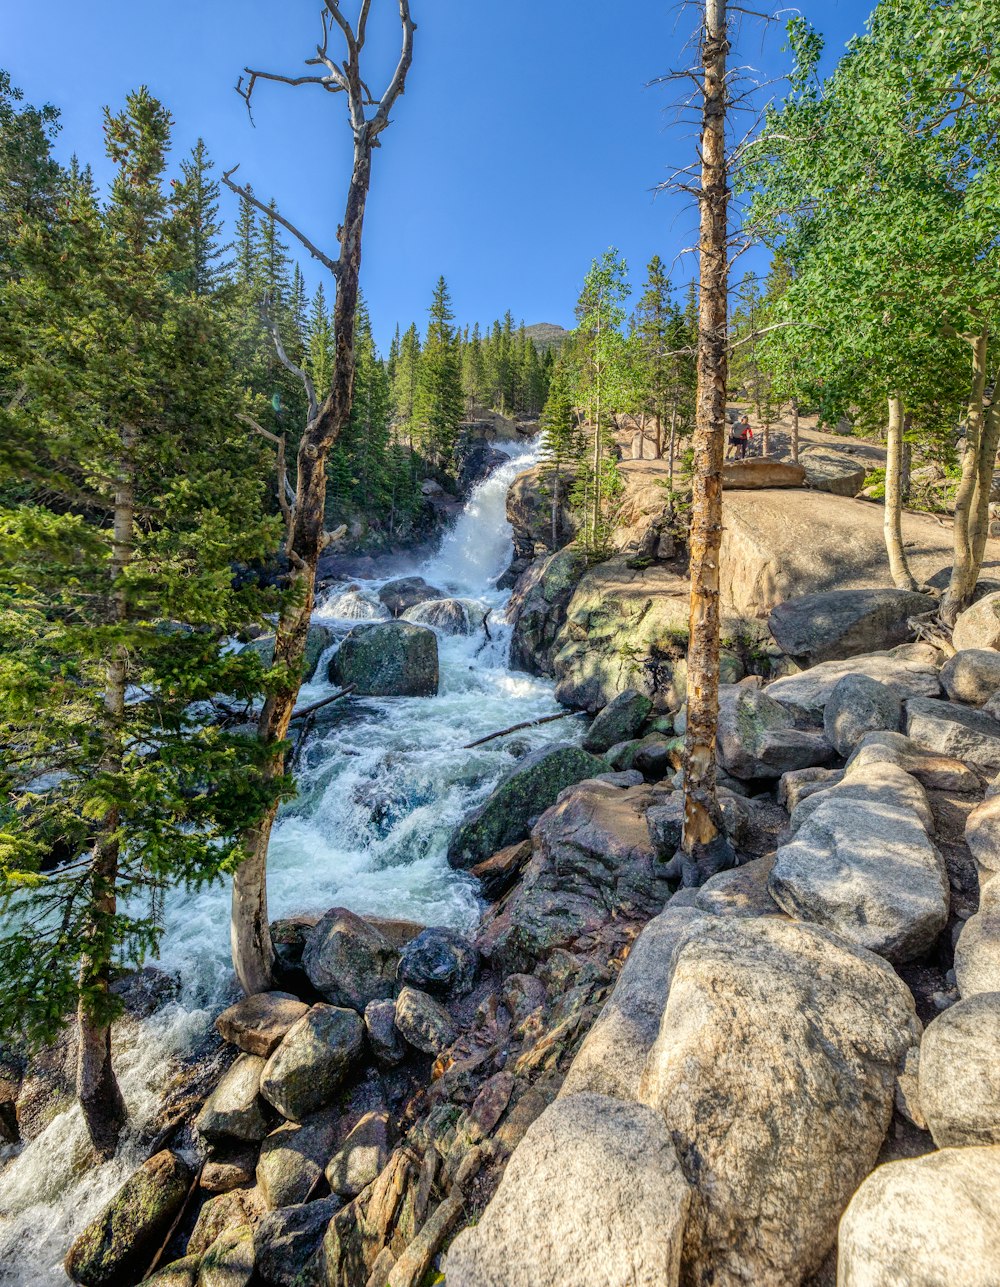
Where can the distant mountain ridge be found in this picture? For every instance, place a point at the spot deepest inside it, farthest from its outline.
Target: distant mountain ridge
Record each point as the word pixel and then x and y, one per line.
pixel 547 335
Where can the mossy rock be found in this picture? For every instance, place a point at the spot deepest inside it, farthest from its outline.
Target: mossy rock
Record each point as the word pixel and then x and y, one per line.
pixel 388 659
pixel 317 642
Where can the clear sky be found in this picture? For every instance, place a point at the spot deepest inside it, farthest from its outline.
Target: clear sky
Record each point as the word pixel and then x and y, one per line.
pixel 526 144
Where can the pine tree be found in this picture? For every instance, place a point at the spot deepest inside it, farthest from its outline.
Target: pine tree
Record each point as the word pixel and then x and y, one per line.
pixel 473 372
pixel 30 178
pixel 562 444
pixel 319 342
pixel 196 199
pixel 438 405
pixel 136 494
pixel 404 385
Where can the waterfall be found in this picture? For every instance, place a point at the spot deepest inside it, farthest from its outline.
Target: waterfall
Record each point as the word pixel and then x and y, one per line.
pixel 382 784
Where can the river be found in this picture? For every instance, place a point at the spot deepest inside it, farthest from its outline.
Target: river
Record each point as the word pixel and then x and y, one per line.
pixel 381 784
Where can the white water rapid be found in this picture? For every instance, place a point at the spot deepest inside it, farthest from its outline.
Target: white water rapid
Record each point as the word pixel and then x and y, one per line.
pixel 381 786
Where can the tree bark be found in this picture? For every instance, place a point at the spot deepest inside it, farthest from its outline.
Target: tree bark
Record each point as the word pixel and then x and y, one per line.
pixel 892 519
pixel 972 496
pixel 672 454
pixel 795 431
pixel 702 818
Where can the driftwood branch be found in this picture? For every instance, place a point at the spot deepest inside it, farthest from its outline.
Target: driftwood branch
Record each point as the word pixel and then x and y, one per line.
pixel 517 728
pixel 299 372
pixel 327 701
pixel 284 488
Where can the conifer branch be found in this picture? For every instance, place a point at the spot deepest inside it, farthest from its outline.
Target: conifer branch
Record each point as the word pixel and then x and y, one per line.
pixel 245 194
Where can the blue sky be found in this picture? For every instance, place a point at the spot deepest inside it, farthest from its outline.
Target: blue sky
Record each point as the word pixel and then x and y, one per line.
pixel 527 141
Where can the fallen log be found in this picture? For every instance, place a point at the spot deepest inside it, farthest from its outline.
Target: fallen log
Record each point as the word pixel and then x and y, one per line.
pixel 318 706
pixel 516 728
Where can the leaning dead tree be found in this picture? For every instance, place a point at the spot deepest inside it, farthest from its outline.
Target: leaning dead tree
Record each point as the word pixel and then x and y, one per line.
pixel 368 117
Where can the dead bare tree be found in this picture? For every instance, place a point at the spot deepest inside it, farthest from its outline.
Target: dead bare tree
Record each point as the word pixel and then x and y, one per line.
pixel 253 953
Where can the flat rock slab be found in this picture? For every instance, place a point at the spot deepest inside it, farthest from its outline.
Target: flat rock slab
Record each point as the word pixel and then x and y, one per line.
pixel 759 473
pixel 935 772
pixel 925 1222
pixel 842 623
pixel 257 1024
pixel 910 670
pixel 593 1195
pixel 809 1031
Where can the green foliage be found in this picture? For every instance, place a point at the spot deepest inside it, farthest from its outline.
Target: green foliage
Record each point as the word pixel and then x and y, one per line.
pixel 439 405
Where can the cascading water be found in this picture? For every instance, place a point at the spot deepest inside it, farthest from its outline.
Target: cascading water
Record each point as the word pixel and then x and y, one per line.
pixel 382 784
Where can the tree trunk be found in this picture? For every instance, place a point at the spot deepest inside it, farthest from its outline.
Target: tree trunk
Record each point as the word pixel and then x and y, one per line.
pixel 253 951
pixel 672 454
pixel 659 436
pixel 980 518
pixel 765 442
pixel 892 518
pixel 968 499
pixel 702 818
pixel 597 436
pixel 795 431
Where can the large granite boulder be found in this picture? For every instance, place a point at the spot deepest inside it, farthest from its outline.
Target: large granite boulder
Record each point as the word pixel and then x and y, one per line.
pixel 406 592
pixel 960 1074
pixel 593 1195
pixel 972 676
pixel 523 795
pixel 115 1249
pixel 538 607
pixel 447 616
pixel 925 1222
pixel 292 1159
pixel 388 659
pixel 257 1024
pixel 979 626
pixel 862 864
pixel 844 623
pixel 833 471
pixel 593 858
pixel 947 728
pixel 977 952
pixel 308 1068
pixel 234 1109
pixel 935 772
pixel 757 737
pixel 348 961
pixel 759 472
pixel 810 1031
pixel 619 721
pixel 910 670
pixel 529 512
pixel 859 705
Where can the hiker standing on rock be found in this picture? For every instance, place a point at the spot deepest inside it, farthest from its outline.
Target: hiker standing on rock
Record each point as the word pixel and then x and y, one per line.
pixel 740 438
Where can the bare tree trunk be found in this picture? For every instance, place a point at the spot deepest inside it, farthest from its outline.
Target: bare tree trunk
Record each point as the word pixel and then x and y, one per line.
pixel 892 518
pixel 672 452
pixel 795 430
pixel 980 518
pixel 965 569
pixel 659 436
pixel 96 1085
pixel 765 442
pixel 702 818
pixel 253 951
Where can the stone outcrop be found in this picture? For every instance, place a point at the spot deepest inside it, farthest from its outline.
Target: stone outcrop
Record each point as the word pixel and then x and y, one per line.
pixel 440 961
pixel 594 1194
pixel 935 772
pixel 292 1159
pixel 529 512
pixel 388 659
pixel 840 623
pixel 925 1222
pixel 538 606
pixel 809 1030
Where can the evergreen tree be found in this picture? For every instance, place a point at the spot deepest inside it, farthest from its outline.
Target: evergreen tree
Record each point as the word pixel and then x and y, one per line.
pixel 116 594
pixel 473 372
pixel 404 385
pixel 196 199
pixel 562 444
pixel 439 404
pixel 30 178
pixel 319 343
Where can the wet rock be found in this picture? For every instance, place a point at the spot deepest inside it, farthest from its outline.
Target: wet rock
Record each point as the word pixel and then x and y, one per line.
pixel 925 1222
pixel 306 1071
pixel 757 737
pixel 257 1024
pixel 115 1249
pixel 538 609
pixel 500 872
pixel 843 623
pixel 859 705
pixel 811 1031
pixel 862 864
pixel 289 935
pixel 594 1194
pixel 832 471
pixel 349 961
pixel 960 1074
pixel 619 721
pixel 982 833
pixel 977 952
pixel 383 1037
pixel 388 659
pixel 440 961
pixel 406 592
pixel 972 676
pixel 422 1022
pixel 979 626
pixel 448 616
pixel 530 788
pixel 234 1109
pixel 362 1156
pixel 293 1157
pixel 910 671
pixel 935 772
pixel 286 1240
pixel 946 728
pixel 593 858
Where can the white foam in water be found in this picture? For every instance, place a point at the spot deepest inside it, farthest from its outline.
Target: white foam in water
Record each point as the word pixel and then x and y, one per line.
pixel 380 791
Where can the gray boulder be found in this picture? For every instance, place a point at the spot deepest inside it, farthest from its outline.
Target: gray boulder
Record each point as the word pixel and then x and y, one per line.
pixel 832 471
pixel 538 609
pixel 349 961
pixel 257 1024
pixel 292 1159
pixel 234 1109
pixel 388 659
pixel 960 1073
pixel 935 772
pixel 406 592
pixel 530 788
pixel 972 676
pixel 977 952
pixel 859 705
pixel 448 616
pixel 925 1222
pixel 307 1069
pixel 947 728
pixel 810 1031
pixel 982 834
pixel 423 1023
pixel 362 1156
pixel 757 737
pixel 384 1039
pixel 863 865
pixel 843 623
pixel 286 1240
pixel 743 891
pixel 619 721
pixel 910 671
pixel 979 626
pixel 440 961
pixel 318 640
pixel 876 783
pixel 593 1195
